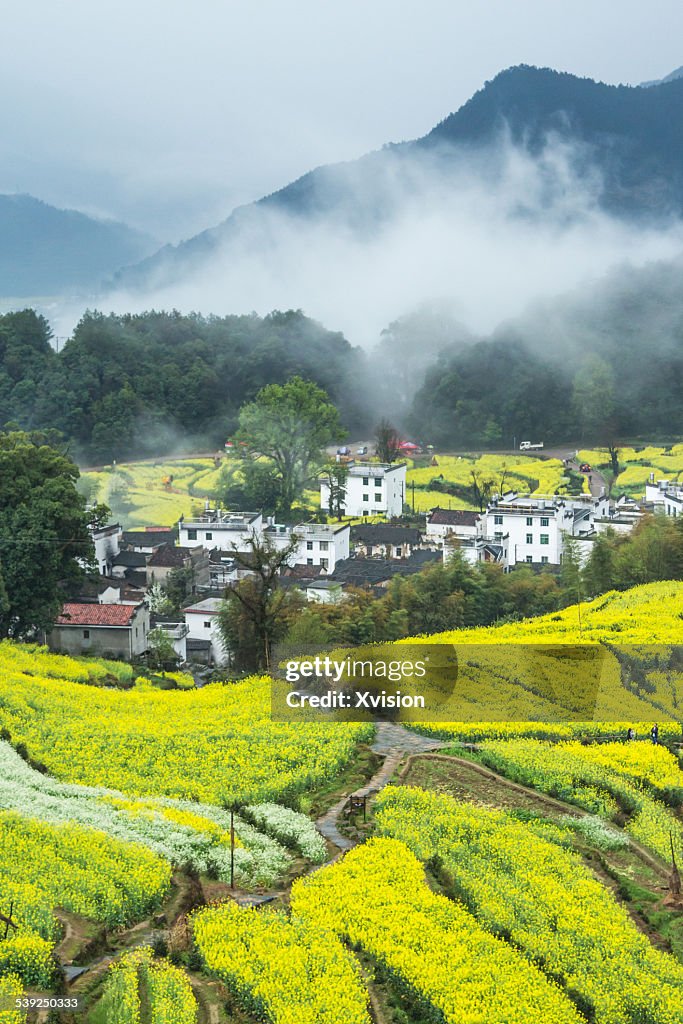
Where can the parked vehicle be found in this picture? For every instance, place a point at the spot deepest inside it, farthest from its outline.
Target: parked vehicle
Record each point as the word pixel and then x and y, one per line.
pixel 362 451
pixel 526 445
pixel 344 450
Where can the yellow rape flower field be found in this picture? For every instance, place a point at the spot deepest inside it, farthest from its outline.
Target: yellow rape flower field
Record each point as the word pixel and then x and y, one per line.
pixel 463 899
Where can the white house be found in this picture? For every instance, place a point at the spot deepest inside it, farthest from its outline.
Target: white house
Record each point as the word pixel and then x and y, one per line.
pixel 442 522
pixel 665 496
pixel 322 544
pixel 324 591
pixel 372 489
pixel 216 528
pixel 533 528
pixel 107 543
pixel 174 631
pixel 201 620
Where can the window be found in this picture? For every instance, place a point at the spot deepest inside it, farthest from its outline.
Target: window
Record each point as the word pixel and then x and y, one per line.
pixel 529 520
pixel 498 535
pixel 207 625
pixel 545 521
pixel 366 497
pixel 545 538
pixel 398 551
pixel 544 559
pixel 86 634
pixel 324 545
pixel 366 512
pixel 309 545
pixel 309 561
pixel 366 481
pixel 323 564
pixel 498 520
pixel 191 534
pixel 209 536
pixel 529 538
pixel 378 483
pixel 529 558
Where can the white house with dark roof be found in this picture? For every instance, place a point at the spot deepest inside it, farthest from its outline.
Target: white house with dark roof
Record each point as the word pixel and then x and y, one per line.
pixel 324 591
pixel 383 540
pixel 441 522
pixel 107 543
pixel 372 489
pixel 201 620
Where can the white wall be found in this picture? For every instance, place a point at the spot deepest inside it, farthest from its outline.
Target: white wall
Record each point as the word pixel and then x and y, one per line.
pixel 371 489
pixel 222 535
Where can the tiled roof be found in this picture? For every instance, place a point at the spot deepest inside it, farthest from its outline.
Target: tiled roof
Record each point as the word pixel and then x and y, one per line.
pixel 149 538
pixel 369 571
pixel 76 614
pixel 130 559
pixel 453 517
pixel 383 534
pixel 169 556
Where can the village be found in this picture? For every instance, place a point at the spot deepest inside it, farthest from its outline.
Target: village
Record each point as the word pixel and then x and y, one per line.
pixel 120 608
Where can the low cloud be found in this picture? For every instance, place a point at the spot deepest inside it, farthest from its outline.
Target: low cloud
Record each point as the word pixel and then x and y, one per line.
pixel 489 231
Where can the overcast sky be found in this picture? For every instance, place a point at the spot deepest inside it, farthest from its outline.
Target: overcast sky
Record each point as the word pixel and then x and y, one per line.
pixel 167 114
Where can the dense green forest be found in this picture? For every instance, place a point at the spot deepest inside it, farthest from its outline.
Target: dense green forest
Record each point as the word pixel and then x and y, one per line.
pixel 601 365
pixel 136 385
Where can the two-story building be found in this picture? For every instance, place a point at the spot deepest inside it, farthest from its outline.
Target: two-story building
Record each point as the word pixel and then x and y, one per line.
pixel 533 529
pixel 321 544
pixel 217 528
pixel 371 489
pixel 203 640
pixel 107 543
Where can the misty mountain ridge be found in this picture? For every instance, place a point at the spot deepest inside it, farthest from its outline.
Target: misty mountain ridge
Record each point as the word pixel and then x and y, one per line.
pixel 622 146
pixel 46 251
pixel 678 73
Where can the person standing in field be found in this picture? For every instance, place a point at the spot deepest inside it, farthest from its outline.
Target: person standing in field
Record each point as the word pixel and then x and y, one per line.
pixel 654 733
pixel 631 734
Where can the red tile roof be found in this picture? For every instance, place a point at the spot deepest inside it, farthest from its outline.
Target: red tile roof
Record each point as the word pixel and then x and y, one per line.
pixel 76 614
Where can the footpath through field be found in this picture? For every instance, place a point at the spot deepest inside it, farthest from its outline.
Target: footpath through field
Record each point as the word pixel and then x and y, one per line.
pixel 392 742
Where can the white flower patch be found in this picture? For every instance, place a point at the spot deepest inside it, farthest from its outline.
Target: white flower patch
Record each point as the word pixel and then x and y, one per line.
pixel 288 827
pixel 260 860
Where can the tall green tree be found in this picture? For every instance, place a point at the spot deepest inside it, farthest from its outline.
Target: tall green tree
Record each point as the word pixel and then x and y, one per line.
pixel 290 424
pixel 254 614
pixel 45 543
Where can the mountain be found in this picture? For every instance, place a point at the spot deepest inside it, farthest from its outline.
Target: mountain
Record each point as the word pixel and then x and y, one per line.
pixel 625 143
pixel 45 251
pixel 678 73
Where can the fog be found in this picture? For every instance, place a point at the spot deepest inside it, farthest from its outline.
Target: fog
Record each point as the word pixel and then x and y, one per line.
pixel 489 234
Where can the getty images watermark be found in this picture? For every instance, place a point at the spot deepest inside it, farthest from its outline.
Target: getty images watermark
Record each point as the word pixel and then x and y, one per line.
pixel 358 671
pixel 440 682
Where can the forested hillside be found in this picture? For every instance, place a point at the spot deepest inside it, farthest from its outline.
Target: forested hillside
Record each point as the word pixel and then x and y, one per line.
pixel 137 385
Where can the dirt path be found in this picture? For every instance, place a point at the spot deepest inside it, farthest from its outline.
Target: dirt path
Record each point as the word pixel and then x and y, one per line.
pixel 392 742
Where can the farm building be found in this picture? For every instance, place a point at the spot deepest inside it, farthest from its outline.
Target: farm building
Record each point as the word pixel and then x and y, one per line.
pixel 112 630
